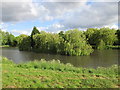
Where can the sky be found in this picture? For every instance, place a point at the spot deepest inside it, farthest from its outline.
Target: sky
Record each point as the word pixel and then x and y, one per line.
pixel 20 16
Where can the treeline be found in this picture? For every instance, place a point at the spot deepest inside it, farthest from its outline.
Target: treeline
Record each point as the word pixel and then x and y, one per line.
pixel 7 38
pixel 72 42
pixel 102 38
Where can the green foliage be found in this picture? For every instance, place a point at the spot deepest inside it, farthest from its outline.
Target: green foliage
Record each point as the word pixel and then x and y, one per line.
pixel 25 45
pixel 92 35
pixel 0 39
pixel 53 74
pixel 4 37
pixel 20 38
pixel 61 34
pixel 113 47
pixel 6 61
pixel 4 46
pixel 107 35
pixel 24 42
pixel 7 39
pixel 49 65
pixel 102 36
pixel 118 36
pixel 73 42
pixel 34 31
pixel 101 45
pixel 46 42
pixel 11 40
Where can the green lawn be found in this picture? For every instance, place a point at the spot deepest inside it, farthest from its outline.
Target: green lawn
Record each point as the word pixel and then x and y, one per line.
pixel 53 74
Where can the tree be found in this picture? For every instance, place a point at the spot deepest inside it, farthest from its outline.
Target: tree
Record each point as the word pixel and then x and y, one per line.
pixel 20 38
pixel 107 35
pixel 96 36
pixel 11 40
pixel 34 31
pixel 118 36
pixel 7 38
pixel 46 42
pixel 24 42
pixel 75 43
pixel 0 38
pixel 101 45
pixel 61 34
pixel 4 37
pixel 91 35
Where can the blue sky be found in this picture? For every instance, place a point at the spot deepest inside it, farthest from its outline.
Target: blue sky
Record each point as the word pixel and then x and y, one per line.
pixel 20 17
pixel 29 24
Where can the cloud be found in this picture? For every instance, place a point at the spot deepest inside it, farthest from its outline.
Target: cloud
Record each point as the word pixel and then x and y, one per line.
pixel 104 0
pixel 14 11
pixel 52 28
pixel 18 11
pixel 3 26
pixel 58 9
pixel 16 1
pixel 112 26
pixel 18 32
pixel 70 14
pixel 76 0
pixel 4 30
pixel 97 14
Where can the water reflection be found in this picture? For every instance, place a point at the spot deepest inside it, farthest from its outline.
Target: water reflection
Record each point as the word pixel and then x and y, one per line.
pixel 103 58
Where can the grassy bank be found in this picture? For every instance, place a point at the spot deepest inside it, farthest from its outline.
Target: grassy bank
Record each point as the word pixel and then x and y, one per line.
pixel 113 47
pixel 53 74
pixel 4 46
pixel 108 47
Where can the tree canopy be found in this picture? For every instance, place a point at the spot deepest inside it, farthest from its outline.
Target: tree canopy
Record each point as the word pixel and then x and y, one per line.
pixel 118 36
pixel 34 31
pixel 24 42
pixel 72 42
pixel 103 35
pixel 7 38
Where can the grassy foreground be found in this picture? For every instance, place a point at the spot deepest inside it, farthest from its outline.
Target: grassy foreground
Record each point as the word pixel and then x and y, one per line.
pixel 53 74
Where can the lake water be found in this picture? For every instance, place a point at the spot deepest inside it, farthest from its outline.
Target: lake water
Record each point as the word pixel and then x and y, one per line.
pixel 102 58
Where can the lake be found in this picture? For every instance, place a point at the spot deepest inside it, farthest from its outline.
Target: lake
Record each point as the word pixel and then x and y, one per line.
pixel 102 58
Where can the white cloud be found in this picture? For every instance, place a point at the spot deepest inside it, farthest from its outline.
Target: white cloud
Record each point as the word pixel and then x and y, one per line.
pixel 3 26
pixel 18 11
pixel 52 28
pixel 98 14
pixel 112 26
pixel 76 0
pixel 18 32
pixel 4 30
pixel 14 11
pixel 72 13
pixel 104 0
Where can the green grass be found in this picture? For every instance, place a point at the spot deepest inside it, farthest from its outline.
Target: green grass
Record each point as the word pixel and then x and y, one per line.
pixel 53 74
pixel 108 47
pixel 113 47
pixel 4 46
